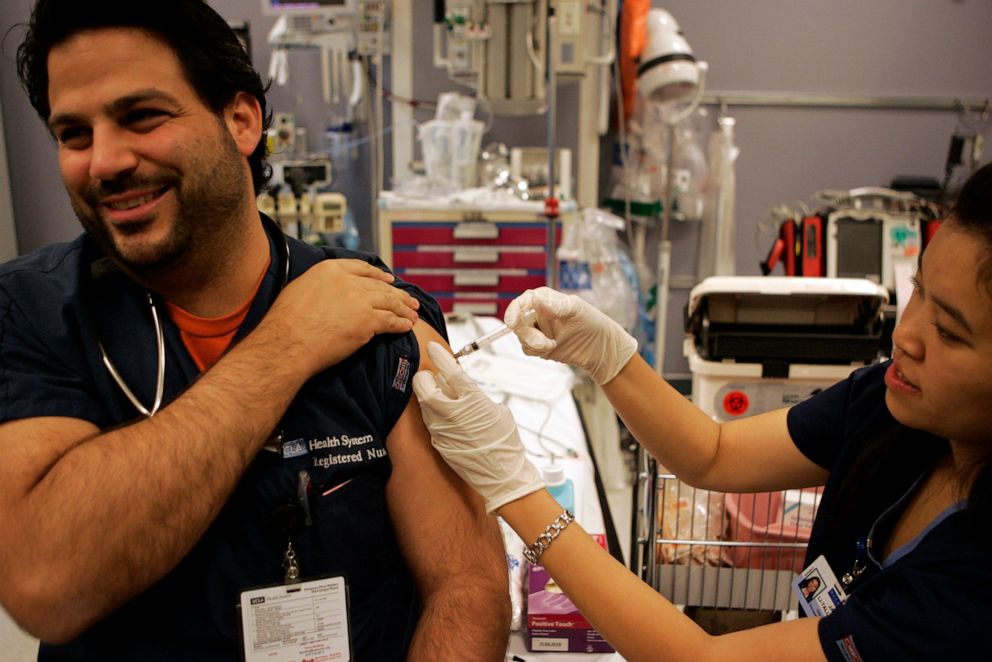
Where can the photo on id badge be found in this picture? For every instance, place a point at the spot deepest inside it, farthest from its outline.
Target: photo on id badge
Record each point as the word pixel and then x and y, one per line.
pixel 811 585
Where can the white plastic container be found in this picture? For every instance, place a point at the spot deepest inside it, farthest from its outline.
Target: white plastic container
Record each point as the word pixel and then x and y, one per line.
pixel 451 151
pixel 807 318
pixel 435 144
pixel 466 139
pixel 727 390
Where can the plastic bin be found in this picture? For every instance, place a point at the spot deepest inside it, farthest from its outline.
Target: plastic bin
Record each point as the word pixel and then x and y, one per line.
pixel 769 518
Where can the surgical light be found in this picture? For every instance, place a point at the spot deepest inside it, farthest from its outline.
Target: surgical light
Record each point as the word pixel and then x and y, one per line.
pixel 668 70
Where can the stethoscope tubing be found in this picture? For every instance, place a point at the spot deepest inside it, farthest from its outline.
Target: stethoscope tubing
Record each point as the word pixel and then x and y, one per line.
pixel 160 378
pixel 160 350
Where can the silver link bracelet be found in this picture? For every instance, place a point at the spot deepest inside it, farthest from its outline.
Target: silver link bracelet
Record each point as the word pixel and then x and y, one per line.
pixel 533 553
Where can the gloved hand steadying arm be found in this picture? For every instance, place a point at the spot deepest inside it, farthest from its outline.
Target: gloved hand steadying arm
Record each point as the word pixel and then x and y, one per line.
pixel 572 331
pixel 476 437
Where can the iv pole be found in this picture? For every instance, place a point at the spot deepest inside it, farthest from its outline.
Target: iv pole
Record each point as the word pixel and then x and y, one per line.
pixel 551 211
pixel 665 246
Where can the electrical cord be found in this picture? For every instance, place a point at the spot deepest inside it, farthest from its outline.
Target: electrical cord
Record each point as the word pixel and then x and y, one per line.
pixel 274 190
pixel 542 439
pixel 295 179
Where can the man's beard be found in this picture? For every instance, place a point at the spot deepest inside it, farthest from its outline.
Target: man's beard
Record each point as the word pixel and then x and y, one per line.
pixel 208 203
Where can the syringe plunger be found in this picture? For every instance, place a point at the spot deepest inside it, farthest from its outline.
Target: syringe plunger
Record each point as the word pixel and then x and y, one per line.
pixel 486 339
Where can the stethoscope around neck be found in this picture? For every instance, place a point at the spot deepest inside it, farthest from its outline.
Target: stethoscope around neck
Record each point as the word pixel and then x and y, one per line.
pixel 159 380
pixel 160 343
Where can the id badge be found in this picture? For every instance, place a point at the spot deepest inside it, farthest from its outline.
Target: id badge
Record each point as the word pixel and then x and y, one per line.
pixel 299 621
pixel 817 589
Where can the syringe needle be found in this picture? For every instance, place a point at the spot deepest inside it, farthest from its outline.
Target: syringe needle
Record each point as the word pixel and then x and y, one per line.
pixel 483 341
pixel 489 338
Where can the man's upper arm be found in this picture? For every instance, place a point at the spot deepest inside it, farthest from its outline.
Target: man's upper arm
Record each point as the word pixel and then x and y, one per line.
pixel 440 521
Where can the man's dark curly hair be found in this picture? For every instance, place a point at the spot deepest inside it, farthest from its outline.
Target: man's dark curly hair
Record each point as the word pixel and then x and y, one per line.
pixel 214 60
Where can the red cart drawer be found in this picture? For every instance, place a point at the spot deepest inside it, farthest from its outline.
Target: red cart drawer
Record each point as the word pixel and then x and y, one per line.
pixel 441 257
pixel 469 280
pixel 475 233
pixel 477 303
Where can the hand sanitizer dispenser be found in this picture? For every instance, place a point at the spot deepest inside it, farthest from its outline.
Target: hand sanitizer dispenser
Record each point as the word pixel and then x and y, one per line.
pixel 561 488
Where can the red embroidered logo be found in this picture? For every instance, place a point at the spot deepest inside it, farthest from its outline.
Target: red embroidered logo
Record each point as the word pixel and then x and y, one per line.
pixel 402 374
pixel 848 649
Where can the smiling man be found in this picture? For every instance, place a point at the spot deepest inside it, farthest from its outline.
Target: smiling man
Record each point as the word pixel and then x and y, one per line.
pixel 199 414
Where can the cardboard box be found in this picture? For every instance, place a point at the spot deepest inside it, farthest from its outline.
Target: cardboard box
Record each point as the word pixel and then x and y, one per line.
pixel 553 622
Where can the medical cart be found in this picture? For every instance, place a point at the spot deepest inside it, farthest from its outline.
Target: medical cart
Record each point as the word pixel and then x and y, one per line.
pixel 754 344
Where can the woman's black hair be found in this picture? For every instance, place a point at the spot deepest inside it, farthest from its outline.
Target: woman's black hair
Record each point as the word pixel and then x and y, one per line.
pixel 900 451
pixel 213 58
pixel 972 213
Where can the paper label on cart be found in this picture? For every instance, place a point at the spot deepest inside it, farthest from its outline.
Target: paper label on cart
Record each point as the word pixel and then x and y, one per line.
pixel 817 589
pixel 305 621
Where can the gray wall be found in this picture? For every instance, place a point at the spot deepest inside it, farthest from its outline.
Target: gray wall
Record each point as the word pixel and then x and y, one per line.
pixel 8 239
pixel 933 48
pixel 41 211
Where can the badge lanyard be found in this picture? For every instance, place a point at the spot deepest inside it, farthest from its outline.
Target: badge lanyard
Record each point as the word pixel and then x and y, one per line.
pixel 160 347
pixel 297 619
pixel 863 549
pixel 292 517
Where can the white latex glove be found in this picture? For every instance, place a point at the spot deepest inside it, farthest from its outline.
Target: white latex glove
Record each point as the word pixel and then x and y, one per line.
pixel 476 437
pixel 571 330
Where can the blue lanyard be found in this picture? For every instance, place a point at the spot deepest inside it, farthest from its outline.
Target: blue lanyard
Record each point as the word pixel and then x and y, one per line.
pixel 861 555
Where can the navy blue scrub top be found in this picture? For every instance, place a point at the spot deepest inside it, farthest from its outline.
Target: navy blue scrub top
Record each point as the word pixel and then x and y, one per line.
pixel 55 303
pixel 927 600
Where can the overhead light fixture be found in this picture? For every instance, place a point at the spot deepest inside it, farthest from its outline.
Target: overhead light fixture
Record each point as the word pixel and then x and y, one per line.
pixel 668 71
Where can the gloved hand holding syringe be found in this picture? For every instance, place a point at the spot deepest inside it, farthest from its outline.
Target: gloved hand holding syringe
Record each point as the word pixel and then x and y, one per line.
pixel 477 437
pixel 487 339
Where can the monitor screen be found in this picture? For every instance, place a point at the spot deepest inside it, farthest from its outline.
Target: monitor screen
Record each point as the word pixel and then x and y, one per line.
pixel 859 248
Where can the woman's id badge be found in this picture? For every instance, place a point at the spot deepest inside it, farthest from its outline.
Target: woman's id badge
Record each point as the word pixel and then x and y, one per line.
pixel 298 621
pixel 817 589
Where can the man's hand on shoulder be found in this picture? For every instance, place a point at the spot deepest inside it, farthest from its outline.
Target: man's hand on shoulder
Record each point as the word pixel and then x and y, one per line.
pixel 335 308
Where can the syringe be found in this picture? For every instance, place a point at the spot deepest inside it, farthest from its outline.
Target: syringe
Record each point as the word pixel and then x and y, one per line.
pixel 486 339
